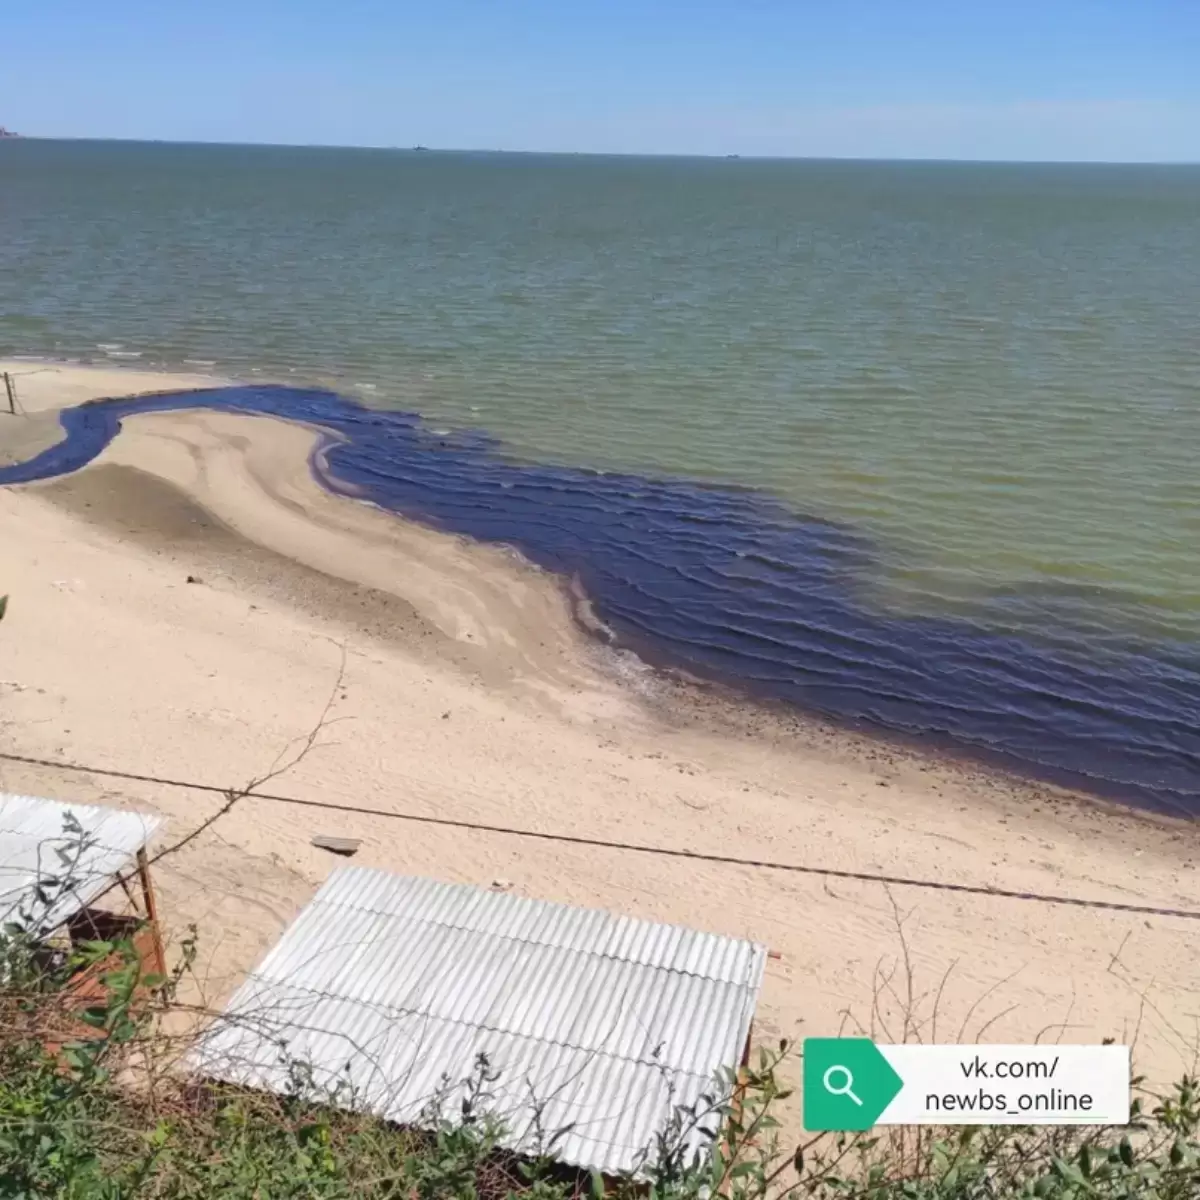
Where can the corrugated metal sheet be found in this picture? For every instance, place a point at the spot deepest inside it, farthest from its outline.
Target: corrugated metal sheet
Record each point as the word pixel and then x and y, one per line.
pixel 389 987
pixel 72 866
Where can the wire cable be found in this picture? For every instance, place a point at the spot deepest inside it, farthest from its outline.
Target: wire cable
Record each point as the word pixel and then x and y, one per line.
pixel 628 847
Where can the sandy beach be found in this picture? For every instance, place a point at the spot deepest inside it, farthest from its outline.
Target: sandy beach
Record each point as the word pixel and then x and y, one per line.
pixel 459 685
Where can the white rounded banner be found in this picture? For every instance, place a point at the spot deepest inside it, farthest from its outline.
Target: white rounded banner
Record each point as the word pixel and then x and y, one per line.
pixel 1009 1085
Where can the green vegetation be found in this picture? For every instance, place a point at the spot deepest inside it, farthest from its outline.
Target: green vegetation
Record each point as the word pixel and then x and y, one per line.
pixel 105 1118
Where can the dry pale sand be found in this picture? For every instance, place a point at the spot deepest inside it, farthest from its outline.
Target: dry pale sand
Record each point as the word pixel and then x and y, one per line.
pixel 469 693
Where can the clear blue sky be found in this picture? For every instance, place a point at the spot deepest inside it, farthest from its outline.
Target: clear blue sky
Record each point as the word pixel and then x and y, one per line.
pixel 1055 79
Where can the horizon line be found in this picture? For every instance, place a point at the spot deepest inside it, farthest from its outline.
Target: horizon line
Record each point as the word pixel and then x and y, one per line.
pixel 643 154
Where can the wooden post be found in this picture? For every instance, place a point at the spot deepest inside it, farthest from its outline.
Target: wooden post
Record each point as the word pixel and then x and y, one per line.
pixel 10 388
pixel 740 1079
pixel 143 867
pixel 737 1105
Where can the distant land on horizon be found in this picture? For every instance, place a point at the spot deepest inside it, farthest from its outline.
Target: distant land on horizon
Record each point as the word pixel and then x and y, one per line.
pixel 666 154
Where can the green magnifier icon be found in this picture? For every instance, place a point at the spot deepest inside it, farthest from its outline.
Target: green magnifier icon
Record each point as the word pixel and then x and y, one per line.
pixel 847 1084
pixel 845 1087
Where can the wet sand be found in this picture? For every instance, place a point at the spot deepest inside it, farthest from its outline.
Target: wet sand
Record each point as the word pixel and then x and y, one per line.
pixel 470 692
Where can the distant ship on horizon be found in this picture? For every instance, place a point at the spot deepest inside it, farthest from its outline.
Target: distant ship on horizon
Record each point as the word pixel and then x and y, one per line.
pixel 8 133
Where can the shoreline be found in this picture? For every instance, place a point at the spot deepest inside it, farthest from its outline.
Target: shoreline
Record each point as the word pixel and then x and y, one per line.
pixel 470 691
pixel 955 752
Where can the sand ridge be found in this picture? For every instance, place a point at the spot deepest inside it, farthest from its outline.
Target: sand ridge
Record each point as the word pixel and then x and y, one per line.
pixel 469 692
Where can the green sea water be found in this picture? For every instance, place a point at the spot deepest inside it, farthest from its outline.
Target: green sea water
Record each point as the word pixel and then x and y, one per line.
pixel 992 371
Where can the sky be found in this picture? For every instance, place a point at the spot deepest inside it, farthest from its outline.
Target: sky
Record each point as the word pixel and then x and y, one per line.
pixel 1107 80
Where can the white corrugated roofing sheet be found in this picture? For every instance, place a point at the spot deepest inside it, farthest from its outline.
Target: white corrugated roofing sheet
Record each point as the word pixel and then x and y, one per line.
pixel 56 858
pixel 390 987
